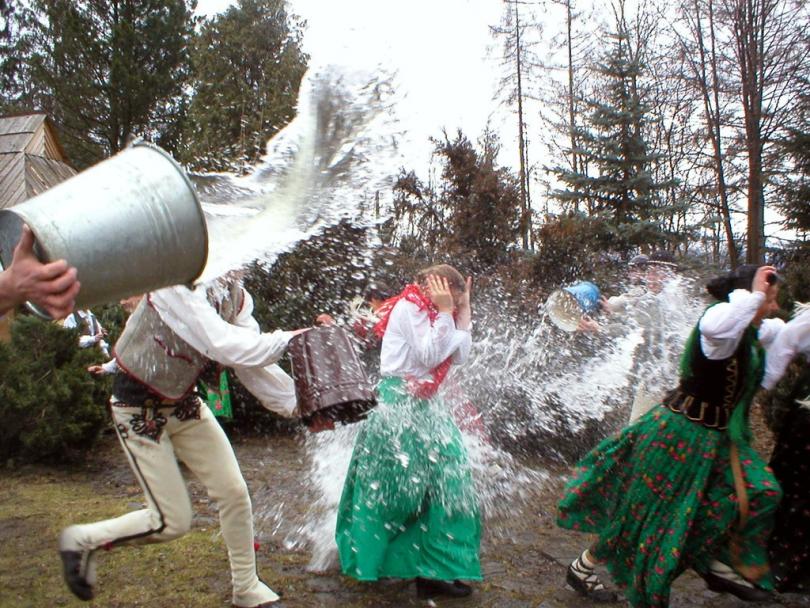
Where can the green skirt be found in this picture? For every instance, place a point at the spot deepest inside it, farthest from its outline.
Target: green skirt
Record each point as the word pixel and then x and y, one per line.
pixel 409 507
pixel 661 498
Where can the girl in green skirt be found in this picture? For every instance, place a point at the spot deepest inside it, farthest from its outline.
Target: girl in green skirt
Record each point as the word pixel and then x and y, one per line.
pixel 682 487
pixel 409 508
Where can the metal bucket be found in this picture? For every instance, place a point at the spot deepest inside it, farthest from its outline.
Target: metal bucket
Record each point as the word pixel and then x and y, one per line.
pixel 566 306
pixel 129 225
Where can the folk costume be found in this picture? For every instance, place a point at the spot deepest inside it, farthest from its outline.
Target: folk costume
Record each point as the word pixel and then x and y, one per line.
pixel 790 542
pixel 682 487
pixel 655 350
pixel 409 508
pixel 90 330
pixel 159 418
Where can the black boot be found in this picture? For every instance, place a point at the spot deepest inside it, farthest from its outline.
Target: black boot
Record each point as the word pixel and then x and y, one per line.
pixel 427 588
pixel 78 564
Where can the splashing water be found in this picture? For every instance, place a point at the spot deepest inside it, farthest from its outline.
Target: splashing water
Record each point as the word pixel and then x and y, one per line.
pixel 337 154
pixel 541 395
pixel 530 393
pixel 548 393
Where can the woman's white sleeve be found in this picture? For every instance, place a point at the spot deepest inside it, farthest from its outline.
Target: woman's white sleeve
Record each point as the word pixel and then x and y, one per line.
pixel 431 344
pixel 794 338
pixel 723 325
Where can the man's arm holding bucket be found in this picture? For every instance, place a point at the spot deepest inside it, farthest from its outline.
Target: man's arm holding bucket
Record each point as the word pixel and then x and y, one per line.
pixel 189 314
pixel 53 286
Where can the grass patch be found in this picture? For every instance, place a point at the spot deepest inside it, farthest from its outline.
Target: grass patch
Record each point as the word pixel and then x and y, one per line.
pixel 191 571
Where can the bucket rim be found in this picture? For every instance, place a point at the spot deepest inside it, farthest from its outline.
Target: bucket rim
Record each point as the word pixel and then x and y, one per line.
pixel 572 302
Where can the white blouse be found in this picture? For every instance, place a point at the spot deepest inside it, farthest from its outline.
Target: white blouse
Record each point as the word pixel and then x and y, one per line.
pixel 792 340
pixel 723 325
pixel 411 347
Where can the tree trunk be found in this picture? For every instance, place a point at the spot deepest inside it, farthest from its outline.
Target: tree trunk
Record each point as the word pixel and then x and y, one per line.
pixel 749 25
pixel 525 213
pixel 571 119
pixel 713 123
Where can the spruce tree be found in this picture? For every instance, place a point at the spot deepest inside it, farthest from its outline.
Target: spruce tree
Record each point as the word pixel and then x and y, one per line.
pixel 105 70
pixel 795 187
pixel 794 202
pixel 247 69
pixel 616 183
pixel 483 200
pixel 473 212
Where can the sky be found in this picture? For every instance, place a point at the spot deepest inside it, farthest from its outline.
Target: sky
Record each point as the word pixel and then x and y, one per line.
pixel 446 59
pixel 447 62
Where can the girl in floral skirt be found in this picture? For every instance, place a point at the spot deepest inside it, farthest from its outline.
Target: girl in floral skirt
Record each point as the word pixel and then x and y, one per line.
pixel 682 487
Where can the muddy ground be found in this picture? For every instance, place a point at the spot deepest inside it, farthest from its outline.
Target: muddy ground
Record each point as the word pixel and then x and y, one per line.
pixel 524 556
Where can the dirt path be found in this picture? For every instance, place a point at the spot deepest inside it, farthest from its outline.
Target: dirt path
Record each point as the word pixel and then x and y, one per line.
pixel 524 556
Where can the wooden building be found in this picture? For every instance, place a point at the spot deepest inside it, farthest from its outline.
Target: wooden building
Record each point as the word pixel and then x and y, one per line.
pixel 31 161
pixel 31 158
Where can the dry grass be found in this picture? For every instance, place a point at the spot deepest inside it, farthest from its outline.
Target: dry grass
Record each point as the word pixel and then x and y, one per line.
pixel 34 507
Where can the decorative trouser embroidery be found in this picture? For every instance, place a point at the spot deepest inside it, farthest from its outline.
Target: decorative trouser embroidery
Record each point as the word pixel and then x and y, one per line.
pixel 149 423
pixel 200 444
pixel 187 409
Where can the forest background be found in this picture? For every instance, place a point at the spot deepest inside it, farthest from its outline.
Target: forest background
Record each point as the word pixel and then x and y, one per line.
pixel 675 126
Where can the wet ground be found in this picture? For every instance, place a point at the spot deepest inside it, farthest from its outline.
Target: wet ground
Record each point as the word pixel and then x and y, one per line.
pixel 524 555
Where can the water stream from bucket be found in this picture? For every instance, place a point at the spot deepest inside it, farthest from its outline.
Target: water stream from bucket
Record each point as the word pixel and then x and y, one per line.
pixel 335 156
pixel 531 394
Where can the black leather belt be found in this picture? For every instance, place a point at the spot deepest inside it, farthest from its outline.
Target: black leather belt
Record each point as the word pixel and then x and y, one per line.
pixel 711 415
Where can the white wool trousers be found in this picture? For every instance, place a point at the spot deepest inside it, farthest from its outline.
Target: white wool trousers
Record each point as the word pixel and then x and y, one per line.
pixel 154 439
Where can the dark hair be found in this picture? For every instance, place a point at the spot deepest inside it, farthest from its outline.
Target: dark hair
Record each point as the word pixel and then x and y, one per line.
pixel 721 286
pixel 377 290
pixel 453 276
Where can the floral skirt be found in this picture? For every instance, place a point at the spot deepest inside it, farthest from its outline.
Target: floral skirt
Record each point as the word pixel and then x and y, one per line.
pixel 661 498
pixel 409 507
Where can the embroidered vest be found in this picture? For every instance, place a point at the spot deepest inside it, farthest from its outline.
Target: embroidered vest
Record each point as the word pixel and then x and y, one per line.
pixel 156 361
pixel 709 393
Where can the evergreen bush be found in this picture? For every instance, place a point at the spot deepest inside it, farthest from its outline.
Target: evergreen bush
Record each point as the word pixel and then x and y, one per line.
pixel 570 247
pixel 319 275
pixel 52 408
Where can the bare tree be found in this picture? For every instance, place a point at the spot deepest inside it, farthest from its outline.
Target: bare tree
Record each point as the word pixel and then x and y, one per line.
pixel 699 56
pixel 519 32
pixel 769 39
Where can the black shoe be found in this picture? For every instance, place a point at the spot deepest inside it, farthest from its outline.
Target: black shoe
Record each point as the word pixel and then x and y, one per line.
pixel 427 588
pixel 590 587
pixel 78 565
pixel 74 564
pixel 724 585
